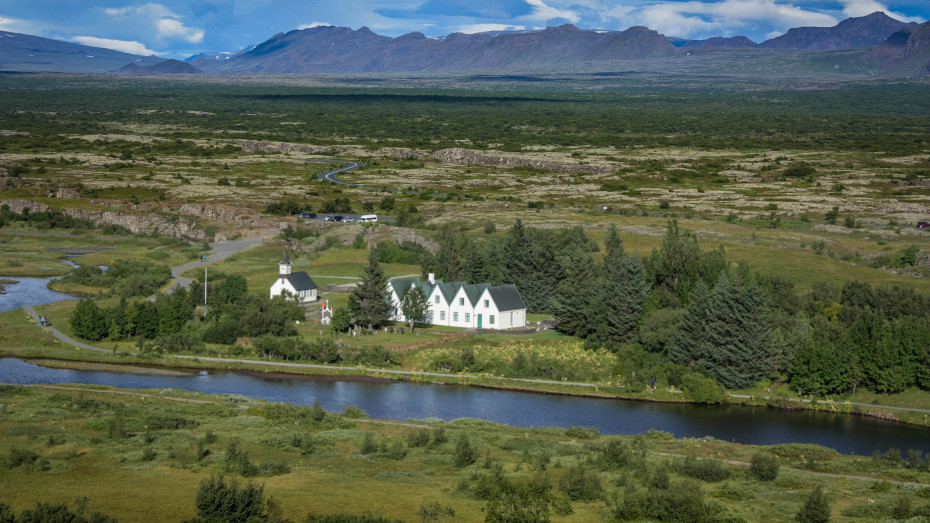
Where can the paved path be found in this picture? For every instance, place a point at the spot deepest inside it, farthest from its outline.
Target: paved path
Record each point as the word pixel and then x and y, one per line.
pixel 220 251
pixel 60 335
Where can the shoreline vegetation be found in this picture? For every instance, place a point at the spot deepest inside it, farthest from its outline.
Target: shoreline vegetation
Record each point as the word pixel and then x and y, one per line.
pixel 149 454
pixel 298 371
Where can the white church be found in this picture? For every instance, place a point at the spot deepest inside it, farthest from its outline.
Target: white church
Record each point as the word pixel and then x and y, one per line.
pixel 459 304
pixel 296 285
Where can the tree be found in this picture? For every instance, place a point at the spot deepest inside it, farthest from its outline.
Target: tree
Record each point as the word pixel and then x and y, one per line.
pixel 816 509
pixel 173 311
pixel 142 320
pixel 622 292
pixel 88 321
pixel 465 454
pixel 234 286
pixel 450 259
pixel 728 333
pixel 387 203
pixel 369 301
pixel 219 500
pixel 523 502
pixel 414 305
pixel 573 306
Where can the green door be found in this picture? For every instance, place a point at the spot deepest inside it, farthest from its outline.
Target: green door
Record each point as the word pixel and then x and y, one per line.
pixel 479 321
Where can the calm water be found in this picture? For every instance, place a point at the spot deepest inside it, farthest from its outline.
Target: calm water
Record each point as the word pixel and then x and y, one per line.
pixel 848 434
pixel 28 291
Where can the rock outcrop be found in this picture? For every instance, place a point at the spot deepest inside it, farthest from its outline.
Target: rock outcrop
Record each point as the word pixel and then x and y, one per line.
pixel 176 226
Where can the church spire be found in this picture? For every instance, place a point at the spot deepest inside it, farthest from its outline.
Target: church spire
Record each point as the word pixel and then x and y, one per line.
pixel 284 266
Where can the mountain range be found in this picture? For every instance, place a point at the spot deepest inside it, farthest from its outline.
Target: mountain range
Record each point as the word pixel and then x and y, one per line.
pixel 881 44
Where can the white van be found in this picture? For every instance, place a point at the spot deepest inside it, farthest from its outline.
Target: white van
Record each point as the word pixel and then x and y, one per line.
pixel 368 218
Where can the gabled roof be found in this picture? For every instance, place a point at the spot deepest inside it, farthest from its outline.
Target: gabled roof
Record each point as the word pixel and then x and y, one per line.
pixel 507 297
pixel 301 281
pixel 401 286
pixel 474 292
pixel 449 290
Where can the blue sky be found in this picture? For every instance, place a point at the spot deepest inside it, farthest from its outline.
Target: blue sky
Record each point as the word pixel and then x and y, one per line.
pixel 179 28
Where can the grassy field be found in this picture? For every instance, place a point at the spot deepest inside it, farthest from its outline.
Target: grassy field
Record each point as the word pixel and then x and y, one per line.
pixel 141 456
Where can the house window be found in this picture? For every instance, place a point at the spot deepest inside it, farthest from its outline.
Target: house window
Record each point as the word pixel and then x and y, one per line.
pixel 442 315
pixel 461 301
pixel 455 316
pixel 511 318
pixel 437 298
pixel 467 317
pixel 486 304
pixel 430 316
pixel 491 320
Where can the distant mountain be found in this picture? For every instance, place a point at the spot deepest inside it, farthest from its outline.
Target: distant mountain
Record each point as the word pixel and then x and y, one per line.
pixel 906 52
pixel 165 67
pixel 715 42
pixel 342 50
pixel 864 31
pixel 27 53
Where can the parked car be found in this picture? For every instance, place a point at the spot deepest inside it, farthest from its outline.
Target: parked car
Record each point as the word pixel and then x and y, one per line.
pixel 923 225
pixel 338 218
pixel 368 218
pixel 329 218
pixel 307 215
pixel 349 220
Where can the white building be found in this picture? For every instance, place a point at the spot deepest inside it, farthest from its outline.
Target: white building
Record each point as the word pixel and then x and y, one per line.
pixel 459 304
pixel 298 285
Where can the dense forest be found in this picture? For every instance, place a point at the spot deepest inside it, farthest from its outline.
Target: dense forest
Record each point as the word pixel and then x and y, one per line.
pixel 685 309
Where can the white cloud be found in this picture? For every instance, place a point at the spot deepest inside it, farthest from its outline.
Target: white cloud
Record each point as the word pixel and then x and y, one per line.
pixel 313 24
pixel 165 23
pixel 141 11
pixel 169 28
pixel 15 25
pixel 486 28
pixel 867 7
pixel 541 11
pixel 116 45
pixel 728 17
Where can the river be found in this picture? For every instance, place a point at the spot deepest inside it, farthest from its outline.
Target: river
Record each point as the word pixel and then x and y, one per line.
pixel 402 401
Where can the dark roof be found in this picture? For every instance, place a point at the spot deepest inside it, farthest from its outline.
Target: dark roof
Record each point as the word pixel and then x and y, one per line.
pixel 507 297
pixel 285 260
pixel 301 281
pixel 474 292
pixel 401 286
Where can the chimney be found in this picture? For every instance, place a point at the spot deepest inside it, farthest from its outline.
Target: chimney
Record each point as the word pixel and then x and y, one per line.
pixel 431 277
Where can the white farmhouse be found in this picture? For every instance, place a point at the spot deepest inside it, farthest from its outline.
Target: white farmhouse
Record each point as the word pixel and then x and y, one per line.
pixel 459 304
pixel 298 285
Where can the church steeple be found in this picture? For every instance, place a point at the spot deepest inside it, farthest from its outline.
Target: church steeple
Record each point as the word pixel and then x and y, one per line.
pixel 284 266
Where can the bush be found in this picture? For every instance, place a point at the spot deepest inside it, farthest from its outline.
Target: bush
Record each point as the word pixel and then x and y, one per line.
pixel 465 454
pixel 218 500
pixel 21 457
pixel 701 389
pixel 709 470
pixel 764 466
pixel 581 485
pixel 816 509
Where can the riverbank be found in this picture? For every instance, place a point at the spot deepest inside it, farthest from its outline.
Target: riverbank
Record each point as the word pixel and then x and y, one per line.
pixel 141 454
pixel 284 369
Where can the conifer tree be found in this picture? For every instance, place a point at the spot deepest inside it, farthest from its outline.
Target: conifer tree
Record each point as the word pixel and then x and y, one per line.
pixel 450 258
pixel 577 293
pixel 622 292
pixel 737 343
pixel 369 301
pixel 690 338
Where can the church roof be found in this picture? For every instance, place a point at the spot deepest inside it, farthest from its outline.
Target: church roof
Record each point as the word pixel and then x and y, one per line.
pixel 301 281
pixel 286 260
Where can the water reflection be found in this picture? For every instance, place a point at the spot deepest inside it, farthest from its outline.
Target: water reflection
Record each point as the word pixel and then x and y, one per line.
pixel 394 400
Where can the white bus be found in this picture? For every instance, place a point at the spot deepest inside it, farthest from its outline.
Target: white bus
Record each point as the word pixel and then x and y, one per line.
pixel 368 218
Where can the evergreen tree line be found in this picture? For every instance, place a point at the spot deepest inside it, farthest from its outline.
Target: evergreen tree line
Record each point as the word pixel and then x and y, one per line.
pixel 171 324
pixel 684 307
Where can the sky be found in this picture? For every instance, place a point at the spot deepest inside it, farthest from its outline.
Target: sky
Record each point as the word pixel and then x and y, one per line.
pixel 180 28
